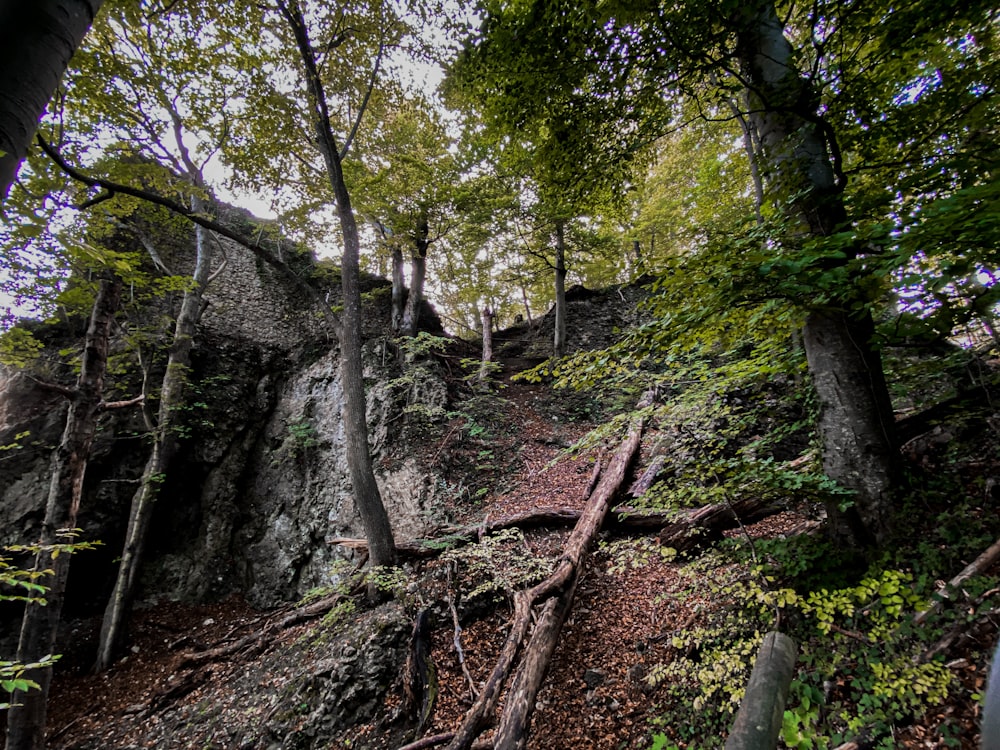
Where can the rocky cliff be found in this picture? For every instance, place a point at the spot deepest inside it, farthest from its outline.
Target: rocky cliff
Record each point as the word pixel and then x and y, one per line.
pixel 261 484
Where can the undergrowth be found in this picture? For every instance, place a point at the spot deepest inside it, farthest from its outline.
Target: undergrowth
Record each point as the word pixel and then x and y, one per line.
pixel 864 670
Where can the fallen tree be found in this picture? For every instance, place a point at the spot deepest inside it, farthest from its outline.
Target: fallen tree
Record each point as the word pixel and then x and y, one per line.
pixel 553 597
pixel 684 530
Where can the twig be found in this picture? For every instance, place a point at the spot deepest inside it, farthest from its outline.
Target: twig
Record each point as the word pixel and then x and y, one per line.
pixel 457 641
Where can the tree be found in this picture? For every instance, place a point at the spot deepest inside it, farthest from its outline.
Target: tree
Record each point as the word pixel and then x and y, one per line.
pixel 26 717
pixel 407 186
pixel 37 40
pixel 634 73
pixel 367 499
pixel 152 91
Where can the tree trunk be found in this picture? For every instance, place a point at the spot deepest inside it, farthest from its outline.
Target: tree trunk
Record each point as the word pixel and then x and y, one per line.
pixel 527 307
pixel 173 396
pixel 367 499
pixel 855 426
pixel 418 272
pixel 37 39
pixel 559 339
pixel 758 722
pixel 398 289
pixel 39 628
pixel 484 369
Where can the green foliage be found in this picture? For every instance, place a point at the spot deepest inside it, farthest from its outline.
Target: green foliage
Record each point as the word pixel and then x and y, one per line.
pixel 861 669
pixel 422 345
pixel 633 553
pixel 302 436
pixel 12 676
pixel 29 587
pixel 19 347
pixel 14 445
pixel 388 580
pixel 498 565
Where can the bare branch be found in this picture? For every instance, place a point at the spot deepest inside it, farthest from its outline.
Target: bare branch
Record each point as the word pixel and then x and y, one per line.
pixel 364 102
pixel 109 405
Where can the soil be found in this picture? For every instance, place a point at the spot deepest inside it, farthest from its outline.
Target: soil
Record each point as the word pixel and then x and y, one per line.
pixel 597 693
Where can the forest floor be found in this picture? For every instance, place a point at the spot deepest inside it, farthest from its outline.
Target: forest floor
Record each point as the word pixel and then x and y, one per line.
pixel 598 693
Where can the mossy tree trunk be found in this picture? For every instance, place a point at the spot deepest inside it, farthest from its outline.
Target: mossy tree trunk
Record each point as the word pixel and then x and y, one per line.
pixel 174 391
pixel 855 424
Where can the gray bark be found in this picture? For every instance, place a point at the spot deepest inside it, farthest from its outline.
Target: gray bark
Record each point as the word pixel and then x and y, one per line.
pixel 367 499
pixel 173 396
pixel 418 273
pixel 27 716
pixel 37 39
pixel 484 370
pixel 855 425
pixel 559 339
pixel 758 722
pixel 398 289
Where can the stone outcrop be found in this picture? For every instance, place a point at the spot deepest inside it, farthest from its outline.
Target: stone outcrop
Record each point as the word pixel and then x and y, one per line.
pixel 261 483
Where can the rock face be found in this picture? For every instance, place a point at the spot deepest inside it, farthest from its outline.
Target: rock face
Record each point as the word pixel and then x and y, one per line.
pixel 261 483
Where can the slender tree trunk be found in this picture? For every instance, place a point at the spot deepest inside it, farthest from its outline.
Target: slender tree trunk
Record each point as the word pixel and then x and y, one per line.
pixel 37 39
pixel 367 499
pixel 173 396
pixel 418 272
pixel 559 339
pixel 527 307
pixel 751 150
pixel 855 426
pixel 27 716
pixel 398 289
pixel 484 369
pixel 637 255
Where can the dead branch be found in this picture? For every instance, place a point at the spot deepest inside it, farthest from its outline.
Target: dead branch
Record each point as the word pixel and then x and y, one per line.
pixel 110 405
pixel 420 686
pixel 688 530
pixel 649 476
pixel 977 567
pixel 255 642
pixel 457 641
pixel 560 583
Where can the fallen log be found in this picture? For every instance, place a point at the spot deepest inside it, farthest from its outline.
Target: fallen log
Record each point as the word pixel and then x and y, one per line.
pixel 697 526
pixel 976 567
pixel 758 722
pixel 675 530
pixel 561 584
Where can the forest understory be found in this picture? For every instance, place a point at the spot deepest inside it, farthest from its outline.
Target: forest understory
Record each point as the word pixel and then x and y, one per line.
pixel 646 621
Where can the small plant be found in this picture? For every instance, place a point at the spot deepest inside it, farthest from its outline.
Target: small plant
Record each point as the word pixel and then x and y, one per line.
pixel 498 565
pixel 31 589
pixel 632 554
pixel 302 435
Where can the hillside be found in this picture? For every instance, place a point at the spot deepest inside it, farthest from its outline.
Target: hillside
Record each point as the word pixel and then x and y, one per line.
pixel 658 643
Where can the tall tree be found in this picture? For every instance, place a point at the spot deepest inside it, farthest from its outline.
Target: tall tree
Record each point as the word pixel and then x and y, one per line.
pixel 39 627
pixel 367 498
pixel 153 93
pixel 37 40
pixel 619 77
pixel 407 186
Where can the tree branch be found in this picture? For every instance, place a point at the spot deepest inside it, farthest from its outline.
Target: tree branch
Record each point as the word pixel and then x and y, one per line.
pixel 197 218
pixel 364 102
pixel 109 405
